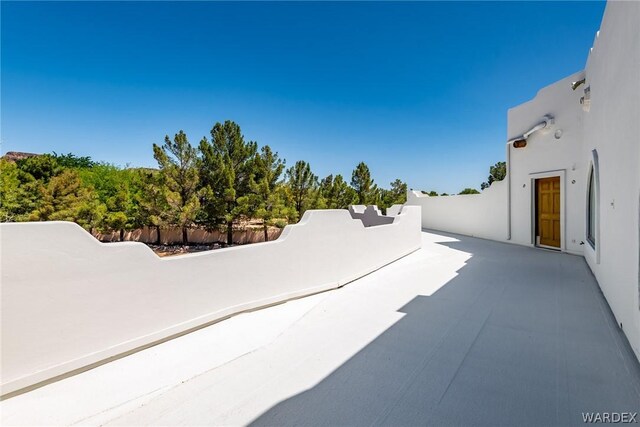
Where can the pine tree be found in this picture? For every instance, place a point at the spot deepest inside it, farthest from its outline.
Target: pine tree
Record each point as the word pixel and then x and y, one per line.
pixel 65 198
pixel 228 168
pixel 121 209
pixel 41 168
pixel 397 194
pixel 337 193
pixel 302 182
pixel 178 162
pixel 269 168
pixel 154 205
pixel 497 172
pixel 361 181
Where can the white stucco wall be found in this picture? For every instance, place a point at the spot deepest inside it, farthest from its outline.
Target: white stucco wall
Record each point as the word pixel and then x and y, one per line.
pixel 394 210
pixel 69 301
pixel 480 215
pixel 488 214
pixel 612 127
pixel 545 155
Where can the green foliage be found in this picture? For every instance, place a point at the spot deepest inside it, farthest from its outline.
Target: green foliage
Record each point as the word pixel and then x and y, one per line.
pixel 64 198
pixel 103 178
pixel 430 193
pixel 497 172
pixel 19 192
pixel 469 191
pixel 268 169
pixel 272 206
pixel 222 182
pixel 117 191
pixel 336 192
pixel 396 195
pixel 178 162
pixel 123 210
pixel 153 199
pixel 361 181
pixel 9 191
pixel 92 213
pixel 280 223
pixel 72 161
pixel 41 168
pixel 302 183
pixel 228 170
pixel 117 221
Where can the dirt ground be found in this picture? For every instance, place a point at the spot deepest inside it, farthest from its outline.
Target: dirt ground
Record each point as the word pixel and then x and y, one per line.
pixel 171 250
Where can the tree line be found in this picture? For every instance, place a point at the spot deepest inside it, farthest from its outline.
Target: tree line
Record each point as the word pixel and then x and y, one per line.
pixel 222 181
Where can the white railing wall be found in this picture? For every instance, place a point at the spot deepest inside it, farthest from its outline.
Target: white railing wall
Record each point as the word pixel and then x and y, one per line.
pixel 70 302
pixel 480 215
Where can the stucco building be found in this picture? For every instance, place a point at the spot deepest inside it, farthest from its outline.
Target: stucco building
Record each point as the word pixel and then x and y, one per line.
pixel 355 318
pixel 573 171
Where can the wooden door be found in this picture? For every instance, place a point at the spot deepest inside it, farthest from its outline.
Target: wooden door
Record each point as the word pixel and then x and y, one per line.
pixel 548 211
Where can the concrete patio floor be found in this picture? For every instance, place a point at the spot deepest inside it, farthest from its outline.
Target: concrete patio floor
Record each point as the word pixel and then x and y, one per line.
pixel 462 332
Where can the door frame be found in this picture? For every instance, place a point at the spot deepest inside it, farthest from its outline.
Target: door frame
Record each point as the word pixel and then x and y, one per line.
pixel 534 215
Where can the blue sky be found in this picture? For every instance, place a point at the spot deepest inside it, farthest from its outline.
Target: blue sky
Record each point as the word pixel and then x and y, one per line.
pixel 417 90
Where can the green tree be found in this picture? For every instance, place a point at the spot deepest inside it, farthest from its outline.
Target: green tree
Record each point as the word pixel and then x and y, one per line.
pixel 431 193
pixel 228 168
pixel 178 162
pixel 104 178
pixel 362 182
pixel 497 172
pixel 337 193
pixel 19 192
pixel 289 213
pixel 469 191
pixel 154 205
pixel 41 168
pixel 271 199
pixel 70 160
pixel 119 191
pixel 396 195
pixel 301 182
pixel 9 191
pixel 122 209
pixel 65 198
pixel 91 212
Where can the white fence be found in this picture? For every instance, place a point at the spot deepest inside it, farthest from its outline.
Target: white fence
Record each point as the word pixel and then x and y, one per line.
pixel 480 215
pixel 70 302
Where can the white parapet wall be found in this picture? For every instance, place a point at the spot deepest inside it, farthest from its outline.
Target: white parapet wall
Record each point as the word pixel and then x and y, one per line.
pixel 394 210
pixel 70 302
pixel 479 215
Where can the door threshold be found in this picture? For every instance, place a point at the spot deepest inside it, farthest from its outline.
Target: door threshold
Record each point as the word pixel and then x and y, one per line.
pixel 549 248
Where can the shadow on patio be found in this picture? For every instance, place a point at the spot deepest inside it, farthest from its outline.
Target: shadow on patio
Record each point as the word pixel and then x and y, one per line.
pixel 519 336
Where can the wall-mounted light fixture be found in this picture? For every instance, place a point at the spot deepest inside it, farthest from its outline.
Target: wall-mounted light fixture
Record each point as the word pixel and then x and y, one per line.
pixel 520 143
